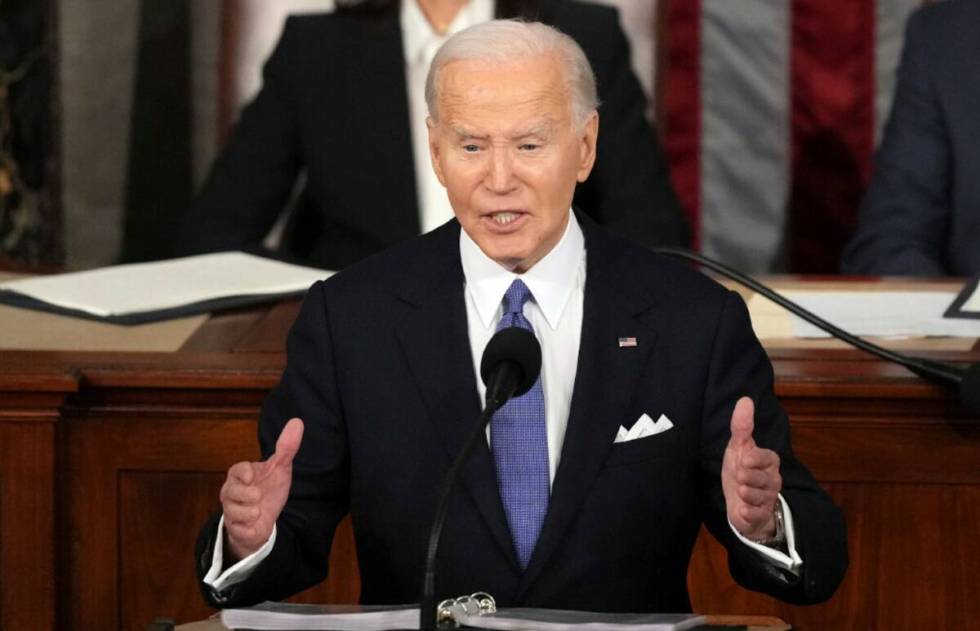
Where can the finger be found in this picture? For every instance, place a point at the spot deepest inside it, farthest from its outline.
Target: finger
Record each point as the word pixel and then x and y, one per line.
pixel 238 493
pixel 742 422
pixel 753 478
pixel 755 516
pixel 288 443
pixel 756 497
pixel 759 459
pixel 243 472
pixel 243 534
pixel 241 515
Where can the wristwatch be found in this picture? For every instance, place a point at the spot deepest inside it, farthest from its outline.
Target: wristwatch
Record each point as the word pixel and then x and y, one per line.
pixel 778 538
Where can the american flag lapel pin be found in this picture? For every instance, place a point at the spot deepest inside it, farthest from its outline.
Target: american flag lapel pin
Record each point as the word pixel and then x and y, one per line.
pixel 627 342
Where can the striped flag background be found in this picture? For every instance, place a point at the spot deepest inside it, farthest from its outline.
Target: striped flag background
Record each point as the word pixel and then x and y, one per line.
pixel 770 111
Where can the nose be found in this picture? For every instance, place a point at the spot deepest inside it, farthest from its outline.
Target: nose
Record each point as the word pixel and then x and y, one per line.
pixel 500 174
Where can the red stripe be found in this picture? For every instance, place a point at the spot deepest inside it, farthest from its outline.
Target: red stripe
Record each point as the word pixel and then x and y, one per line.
pixel 832 79
pixel 679 77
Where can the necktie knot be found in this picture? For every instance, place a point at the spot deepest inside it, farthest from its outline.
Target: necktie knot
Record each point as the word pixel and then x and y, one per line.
pixel 517 294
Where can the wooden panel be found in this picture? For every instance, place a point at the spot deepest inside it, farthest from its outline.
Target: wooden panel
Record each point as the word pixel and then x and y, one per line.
pixel 913 563
pixel 27 529
pixel 99 452
pixel 888 450
pixel 139 489
pixel 159 515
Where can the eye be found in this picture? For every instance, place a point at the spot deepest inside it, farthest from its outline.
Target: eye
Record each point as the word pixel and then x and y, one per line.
pixel 470 148
pixel 529 146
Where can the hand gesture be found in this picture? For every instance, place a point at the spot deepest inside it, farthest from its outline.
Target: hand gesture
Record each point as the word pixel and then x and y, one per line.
pixel 749 477
pixel 255 492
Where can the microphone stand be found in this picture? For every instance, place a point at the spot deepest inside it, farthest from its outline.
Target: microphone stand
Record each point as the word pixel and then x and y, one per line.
pixel 497 394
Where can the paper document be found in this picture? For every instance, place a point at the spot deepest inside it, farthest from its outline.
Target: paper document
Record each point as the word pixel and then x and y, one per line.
pixel 164 286
pixel 282 616
pixel 866 313
pixel 559 620
pixel 295 617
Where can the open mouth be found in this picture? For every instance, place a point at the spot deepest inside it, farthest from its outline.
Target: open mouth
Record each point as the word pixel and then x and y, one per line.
pixel 504 218
pixel 503 221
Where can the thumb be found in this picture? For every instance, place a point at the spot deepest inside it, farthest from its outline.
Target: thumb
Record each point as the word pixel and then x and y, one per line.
pixel 288 443
pixel 743 422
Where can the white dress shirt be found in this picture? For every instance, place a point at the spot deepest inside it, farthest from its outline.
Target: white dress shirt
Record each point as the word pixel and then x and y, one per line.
pixel 420 42
pixel 557 284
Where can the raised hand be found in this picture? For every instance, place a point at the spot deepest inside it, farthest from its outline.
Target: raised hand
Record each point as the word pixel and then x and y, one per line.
pixel 255 492
pixel 749 477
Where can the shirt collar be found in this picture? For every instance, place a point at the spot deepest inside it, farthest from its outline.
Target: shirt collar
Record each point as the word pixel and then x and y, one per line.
pixel 551 280
pixel 420 41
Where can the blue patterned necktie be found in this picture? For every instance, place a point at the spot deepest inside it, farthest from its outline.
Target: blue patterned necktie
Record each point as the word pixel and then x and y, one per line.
pixel 520 446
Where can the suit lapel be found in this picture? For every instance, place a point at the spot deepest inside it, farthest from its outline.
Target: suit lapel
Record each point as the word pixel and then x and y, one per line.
pixel 605 381
pixel 433 335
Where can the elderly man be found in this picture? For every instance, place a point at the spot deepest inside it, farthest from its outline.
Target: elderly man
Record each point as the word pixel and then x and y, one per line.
pixel 579 499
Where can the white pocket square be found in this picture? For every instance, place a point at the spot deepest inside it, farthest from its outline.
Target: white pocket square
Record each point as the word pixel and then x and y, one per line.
pixel 644 426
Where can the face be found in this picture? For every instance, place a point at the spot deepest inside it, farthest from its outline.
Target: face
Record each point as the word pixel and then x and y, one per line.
pixel 509 154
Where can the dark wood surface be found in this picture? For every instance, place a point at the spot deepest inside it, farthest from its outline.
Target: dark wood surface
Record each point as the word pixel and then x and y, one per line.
pixel 109 463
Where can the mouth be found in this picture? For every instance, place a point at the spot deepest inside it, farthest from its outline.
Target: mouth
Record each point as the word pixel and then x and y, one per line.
pixel 503 221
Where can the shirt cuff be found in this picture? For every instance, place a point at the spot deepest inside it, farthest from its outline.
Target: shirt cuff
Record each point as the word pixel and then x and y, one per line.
pixel 220 581
pixel 788 560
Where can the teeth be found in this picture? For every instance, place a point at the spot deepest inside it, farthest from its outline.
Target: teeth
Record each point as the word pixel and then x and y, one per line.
pixel 504 218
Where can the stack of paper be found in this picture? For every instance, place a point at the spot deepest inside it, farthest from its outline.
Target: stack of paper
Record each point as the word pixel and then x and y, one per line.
pixel 142 292
pixel 272 616
pixel 869 313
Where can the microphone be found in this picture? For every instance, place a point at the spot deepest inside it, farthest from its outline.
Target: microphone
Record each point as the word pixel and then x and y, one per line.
pixel 966 381
pixel 510 365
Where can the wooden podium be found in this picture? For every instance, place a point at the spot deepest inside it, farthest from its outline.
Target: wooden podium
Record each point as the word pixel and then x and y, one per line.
pixel 110 462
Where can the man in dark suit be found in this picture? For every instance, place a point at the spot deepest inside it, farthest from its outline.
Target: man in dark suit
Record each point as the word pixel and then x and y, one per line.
pixel 579 500
pixel 921 215
pixel 335 105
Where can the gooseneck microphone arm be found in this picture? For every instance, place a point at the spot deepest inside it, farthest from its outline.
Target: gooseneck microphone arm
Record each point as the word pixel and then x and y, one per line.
pixel 967 380
pixel 511 364
pixel 427 613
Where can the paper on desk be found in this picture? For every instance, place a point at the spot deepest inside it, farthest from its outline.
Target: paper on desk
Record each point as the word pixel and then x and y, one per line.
pixel 868 313
pixel 144 287
pixel 280 616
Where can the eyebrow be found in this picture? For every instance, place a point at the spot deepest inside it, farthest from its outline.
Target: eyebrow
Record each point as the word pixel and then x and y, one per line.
pixel 542 129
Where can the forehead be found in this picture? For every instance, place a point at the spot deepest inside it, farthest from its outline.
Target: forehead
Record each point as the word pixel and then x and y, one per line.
pixel 503 91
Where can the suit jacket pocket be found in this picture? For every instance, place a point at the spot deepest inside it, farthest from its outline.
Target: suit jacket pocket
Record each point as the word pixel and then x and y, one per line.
pixel 657 446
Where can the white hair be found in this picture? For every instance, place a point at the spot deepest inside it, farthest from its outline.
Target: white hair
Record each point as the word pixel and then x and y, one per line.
pixel 501 41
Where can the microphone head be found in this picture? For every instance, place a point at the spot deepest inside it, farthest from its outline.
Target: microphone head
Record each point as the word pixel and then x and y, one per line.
pixel 970 390
pixel 516 345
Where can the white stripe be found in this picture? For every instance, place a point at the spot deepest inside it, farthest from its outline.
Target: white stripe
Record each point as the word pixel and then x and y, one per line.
pixel 745 134
pixel 890 18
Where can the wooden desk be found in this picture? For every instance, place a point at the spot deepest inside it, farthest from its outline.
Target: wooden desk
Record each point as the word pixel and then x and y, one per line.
pixel 110 462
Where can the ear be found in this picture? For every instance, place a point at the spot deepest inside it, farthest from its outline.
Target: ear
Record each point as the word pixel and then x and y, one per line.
pixel 435 150
pixel 587 146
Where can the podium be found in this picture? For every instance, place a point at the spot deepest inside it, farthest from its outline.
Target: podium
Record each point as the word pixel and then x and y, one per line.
pixel 110 462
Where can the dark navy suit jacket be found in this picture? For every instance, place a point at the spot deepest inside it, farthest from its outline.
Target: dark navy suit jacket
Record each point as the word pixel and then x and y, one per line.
pixel 921 215
pixel 334 105
pixel 380 368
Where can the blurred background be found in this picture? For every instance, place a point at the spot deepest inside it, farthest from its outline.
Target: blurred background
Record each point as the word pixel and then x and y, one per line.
pixel 111 112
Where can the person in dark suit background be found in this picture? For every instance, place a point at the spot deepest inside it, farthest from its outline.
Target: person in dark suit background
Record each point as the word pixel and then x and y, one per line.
pixel 342 104
pixel 381 368
pixel 921 214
